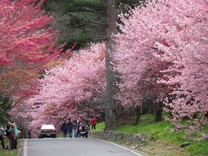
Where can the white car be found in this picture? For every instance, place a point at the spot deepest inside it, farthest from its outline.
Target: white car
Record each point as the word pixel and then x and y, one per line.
pixel 47 131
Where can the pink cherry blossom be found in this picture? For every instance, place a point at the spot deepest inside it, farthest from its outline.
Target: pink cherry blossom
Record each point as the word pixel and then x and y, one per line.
pixel 73 89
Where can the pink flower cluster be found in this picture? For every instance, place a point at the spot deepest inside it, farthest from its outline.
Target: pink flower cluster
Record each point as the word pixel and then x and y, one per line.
pixel 73 89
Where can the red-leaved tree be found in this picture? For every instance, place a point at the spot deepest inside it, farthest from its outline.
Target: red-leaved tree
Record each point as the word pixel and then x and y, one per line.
pixel 27 46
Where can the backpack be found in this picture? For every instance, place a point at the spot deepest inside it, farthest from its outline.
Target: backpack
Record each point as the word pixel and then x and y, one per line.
pixel 83 129
pixel 64 127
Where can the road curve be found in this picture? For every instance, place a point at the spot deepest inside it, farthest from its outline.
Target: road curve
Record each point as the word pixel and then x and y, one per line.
pixel 74 147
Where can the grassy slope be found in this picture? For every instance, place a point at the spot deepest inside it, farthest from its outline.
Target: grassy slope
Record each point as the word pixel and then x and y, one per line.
pixel 160 140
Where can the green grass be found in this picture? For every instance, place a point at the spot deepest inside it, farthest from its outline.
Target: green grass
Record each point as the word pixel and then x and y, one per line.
pixel 159 137
pixel 5 152
pixel 99 127
pixel 161 131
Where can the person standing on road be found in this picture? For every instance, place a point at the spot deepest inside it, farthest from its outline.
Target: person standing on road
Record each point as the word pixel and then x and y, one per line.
pixel 64 129
pixel 75 128
pixel 14 134
pixel 69 128
pixel 8 133
pixel 93 122
pixel 2 134
pixel 78 125
pixel 88 124
pixel 29 134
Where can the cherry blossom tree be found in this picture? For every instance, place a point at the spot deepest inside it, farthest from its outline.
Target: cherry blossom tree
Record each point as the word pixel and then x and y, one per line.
pixel 172 33
pixel 138 68
pixel 73 89
pixel 188 52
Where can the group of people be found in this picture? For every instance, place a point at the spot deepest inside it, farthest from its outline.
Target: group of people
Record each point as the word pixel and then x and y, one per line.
pixel 10 133
pixel 78 129
pixel 70 129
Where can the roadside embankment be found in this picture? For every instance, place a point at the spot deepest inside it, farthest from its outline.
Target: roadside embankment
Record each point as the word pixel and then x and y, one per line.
pixel 133 140
pixel 159 138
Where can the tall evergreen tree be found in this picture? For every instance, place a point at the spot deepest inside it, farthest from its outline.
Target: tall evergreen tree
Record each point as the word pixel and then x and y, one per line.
pixel 83 21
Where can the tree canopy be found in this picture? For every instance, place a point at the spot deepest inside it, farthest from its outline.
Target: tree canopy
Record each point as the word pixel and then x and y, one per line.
pixel 28 45
pixel 83 21
pixel 5 107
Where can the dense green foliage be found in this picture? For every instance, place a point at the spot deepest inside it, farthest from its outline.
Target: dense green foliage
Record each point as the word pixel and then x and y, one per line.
pixel 99 127
pixel 78 21
pixel 83 21
pixel 5 106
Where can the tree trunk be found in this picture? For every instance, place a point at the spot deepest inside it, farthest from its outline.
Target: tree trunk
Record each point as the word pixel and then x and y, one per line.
pixel 138 114
pixel 158 112
pixel 110 102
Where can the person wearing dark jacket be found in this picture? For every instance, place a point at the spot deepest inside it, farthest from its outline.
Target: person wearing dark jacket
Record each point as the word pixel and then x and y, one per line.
pixel 75 128
pixel 14 133
pixel 69 128
pixel 84 130
pixel 64 129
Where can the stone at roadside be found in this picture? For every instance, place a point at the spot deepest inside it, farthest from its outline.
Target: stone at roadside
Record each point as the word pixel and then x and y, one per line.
pixel 184 144
pixel 136 146
pixel 170 148
pixel 122 137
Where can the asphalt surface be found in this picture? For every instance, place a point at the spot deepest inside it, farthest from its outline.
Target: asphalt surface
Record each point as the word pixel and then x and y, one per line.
pixel 74 147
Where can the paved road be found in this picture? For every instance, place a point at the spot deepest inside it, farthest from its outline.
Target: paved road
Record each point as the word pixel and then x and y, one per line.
pixel 74 147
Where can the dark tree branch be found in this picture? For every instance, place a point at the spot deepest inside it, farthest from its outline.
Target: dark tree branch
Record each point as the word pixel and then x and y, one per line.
pixel 82 19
